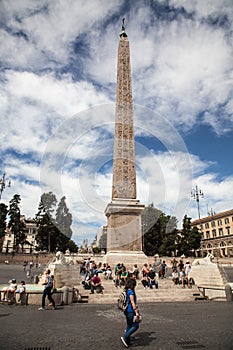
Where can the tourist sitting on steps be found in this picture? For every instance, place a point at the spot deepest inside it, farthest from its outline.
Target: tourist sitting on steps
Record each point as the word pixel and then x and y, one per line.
pixel 108 273
pixel 152 279
pixel 123 276
pixel 10 290
pixel 136 271
pixel 145 281
pixel 175 276
pixel 87 282
pixel 183 278
pixel 145 270
pixel 96 284
pixel 22 293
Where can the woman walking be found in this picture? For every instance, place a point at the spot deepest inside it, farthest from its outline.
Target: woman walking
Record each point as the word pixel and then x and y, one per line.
pixel 131 312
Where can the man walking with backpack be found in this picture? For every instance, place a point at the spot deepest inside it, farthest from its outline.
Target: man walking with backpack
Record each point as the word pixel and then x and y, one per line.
pixel 47 290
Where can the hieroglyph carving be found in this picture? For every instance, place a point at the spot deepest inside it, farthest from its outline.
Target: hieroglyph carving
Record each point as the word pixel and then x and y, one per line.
pixel 124 166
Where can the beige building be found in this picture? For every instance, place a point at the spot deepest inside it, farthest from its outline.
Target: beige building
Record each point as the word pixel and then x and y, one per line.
pixel 217 234
pixel 30 232
pixel 101 231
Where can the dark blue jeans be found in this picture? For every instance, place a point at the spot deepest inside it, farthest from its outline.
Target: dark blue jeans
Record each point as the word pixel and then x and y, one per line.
pixel 47 292
pixel 131 326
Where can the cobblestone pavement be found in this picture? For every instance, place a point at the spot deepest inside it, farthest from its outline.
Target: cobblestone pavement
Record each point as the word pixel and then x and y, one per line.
pixel 165 326
pixel 204 325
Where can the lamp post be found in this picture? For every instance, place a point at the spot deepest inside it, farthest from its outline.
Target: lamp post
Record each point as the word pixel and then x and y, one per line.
pixel 3 183
pixel 197 194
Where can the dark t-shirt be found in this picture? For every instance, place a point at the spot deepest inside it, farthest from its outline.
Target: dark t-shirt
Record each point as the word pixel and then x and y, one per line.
pixel 151 274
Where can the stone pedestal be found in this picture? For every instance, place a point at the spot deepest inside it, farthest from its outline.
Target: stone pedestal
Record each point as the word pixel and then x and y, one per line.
pixel 124 234
pixel 65 275
pixel 128 258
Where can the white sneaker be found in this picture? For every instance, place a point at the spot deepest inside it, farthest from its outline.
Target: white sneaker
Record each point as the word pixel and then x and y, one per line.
pixel 41 309
pixel 124 342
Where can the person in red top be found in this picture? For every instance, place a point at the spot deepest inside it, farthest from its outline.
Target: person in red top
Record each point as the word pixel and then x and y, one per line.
pixel 96 284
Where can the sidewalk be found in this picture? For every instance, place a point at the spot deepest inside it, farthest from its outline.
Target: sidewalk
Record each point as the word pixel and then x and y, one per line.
pixel 165 326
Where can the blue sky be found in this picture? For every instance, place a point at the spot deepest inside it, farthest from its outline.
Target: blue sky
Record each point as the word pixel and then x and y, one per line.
pixel 57 99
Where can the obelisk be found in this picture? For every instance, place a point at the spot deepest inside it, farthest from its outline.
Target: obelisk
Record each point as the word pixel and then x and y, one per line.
pixel 124 232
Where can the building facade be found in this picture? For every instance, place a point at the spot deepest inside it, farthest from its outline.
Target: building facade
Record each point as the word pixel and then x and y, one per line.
pixel 30 232
pixel 217 234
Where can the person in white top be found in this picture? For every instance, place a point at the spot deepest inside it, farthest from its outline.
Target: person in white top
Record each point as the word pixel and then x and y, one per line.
pixel 11 289
pixel 187 270
pixel 22 292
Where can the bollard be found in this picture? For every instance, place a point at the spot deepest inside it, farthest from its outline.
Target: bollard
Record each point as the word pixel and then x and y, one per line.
pixel 228 291
pixel 36 279
pixel 66 295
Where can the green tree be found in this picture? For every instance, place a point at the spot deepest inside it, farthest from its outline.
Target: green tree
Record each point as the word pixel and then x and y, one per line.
pixel 3 216
pixel 190 238
pixel 184 238
pixel 169 245
pixel 16 225
pixel 71 245
pixel 47 231
pixel 159 232
pixel 194 240
pixel 64 218
pixel 150 216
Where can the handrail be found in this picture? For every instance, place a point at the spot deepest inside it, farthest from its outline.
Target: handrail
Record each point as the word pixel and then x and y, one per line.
pixel 207 287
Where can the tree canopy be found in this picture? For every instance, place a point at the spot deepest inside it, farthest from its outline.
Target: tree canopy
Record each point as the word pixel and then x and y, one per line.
pixel 54 224
pixel 161 236
pixel 16 225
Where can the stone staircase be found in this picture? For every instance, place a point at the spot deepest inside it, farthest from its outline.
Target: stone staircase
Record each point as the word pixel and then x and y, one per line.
pixel 167 292
pixel 209 279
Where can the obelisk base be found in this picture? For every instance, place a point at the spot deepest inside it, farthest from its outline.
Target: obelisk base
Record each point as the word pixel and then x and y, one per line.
pixel 124 233
pixel 128 258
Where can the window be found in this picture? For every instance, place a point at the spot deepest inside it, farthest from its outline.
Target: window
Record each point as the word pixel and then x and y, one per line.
pixel 207 225
pixel 207 234
pixel 220 231
pixel 228 230
pixel 219 222
pixel 227 221
pixel 201 226
pixel 213 223
pixel 214 233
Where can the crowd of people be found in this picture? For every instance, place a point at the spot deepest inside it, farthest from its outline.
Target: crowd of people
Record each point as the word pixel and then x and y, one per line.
pixel 91 272
pixel 149 275
pixel 181 273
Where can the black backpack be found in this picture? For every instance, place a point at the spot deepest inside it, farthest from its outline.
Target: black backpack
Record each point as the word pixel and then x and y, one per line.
pixel 122 301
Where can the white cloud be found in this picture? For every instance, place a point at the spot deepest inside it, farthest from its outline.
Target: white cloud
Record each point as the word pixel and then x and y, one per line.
pixel 182 72
pixel 43 33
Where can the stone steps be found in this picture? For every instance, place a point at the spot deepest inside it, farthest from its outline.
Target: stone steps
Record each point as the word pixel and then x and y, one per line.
pixel 167 292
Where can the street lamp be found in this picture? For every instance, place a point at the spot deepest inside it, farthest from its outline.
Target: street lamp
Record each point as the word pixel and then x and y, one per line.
pixel 197 194
pixel 3 183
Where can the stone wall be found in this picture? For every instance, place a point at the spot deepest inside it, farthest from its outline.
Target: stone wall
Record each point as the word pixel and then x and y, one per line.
pixel 20 258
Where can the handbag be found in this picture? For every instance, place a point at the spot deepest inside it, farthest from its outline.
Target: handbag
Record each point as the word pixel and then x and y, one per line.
pixel 137 319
